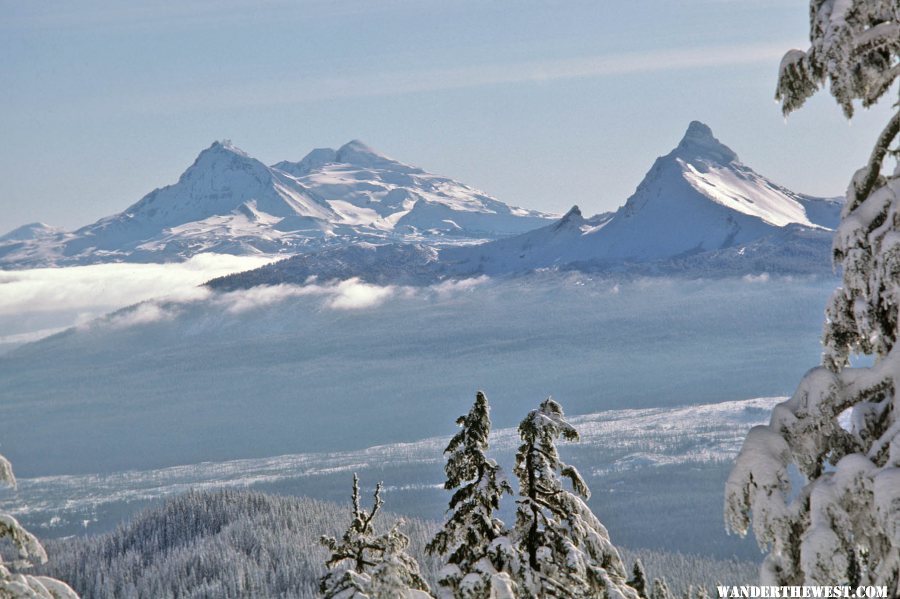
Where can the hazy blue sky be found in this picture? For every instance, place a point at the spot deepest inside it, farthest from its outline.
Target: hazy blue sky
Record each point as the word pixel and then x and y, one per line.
pixel 542 104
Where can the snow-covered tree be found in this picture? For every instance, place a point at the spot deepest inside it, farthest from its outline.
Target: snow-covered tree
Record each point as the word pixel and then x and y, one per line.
pixel 397 573
pixel 15 585
pixel 473 540
pixel 364 565
pixel 823 492
pixel 660 589
pixel 638 580
pixel 565 550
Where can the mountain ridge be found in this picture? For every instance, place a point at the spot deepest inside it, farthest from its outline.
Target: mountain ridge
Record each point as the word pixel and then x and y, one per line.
pixel 226 201
pixel 699 211
pixel 694 204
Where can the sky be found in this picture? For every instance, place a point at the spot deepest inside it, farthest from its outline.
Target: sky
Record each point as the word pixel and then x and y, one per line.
pixel 541 104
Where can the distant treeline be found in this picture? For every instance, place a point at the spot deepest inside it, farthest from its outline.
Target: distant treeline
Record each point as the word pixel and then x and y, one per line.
pixel 234 544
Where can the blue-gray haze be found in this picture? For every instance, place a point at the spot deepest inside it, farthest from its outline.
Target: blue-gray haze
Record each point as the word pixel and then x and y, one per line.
pixel 293 376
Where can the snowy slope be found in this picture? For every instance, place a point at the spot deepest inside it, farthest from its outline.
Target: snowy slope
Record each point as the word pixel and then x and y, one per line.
pixel 30 231
pixel 229 202
pixel 372 189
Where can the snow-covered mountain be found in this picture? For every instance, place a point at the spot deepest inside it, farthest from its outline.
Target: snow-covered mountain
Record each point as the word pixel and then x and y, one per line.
pixel 699 210
pixel 30 231
pixel 229 202
pixel 696 200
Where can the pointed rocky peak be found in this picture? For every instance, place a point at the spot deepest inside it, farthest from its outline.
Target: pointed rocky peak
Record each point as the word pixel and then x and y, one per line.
pixel 699 143
pixel 574 214
pixel 572 218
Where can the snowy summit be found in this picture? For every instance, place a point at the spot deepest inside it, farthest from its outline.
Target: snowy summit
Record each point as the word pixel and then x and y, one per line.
pixel 229 202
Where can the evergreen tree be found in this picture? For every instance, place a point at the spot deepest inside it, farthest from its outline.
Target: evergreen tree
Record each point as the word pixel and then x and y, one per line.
pixel 14 585
pixel 565 551
pixel 842 522
pixel 660 589
pixel 364 565
pixel 472 539
pixel 397 573
pixel 638 579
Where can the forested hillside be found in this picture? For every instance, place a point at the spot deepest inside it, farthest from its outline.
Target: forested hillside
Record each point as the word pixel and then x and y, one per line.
pixel 229 544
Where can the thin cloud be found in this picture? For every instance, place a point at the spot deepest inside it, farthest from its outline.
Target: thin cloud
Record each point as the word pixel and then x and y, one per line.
pixel 243 300
pixel 351 294
pixel 20 338
pixel 454 286
pixel 410 82
pixel 145 313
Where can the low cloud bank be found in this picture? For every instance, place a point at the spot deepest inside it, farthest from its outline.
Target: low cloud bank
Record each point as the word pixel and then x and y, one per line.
pixel 47 299
pixel 347 295
pixel 36 303
pixel 351 294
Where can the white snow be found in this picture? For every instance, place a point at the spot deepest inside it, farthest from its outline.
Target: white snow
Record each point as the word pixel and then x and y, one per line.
pixel 744 191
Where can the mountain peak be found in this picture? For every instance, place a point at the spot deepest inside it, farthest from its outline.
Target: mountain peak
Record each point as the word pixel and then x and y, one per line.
pixel 699 142
pixel 699 130
pixel 29 231
pixel 359 154
pixel 225 146
pixel 571 218
pixel 357 145
pixel 317 158
pixel 221 152
pixel 574 213
pixel 219 160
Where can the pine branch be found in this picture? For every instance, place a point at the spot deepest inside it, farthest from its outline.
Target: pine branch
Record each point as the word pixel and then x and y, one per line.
pixel 876 160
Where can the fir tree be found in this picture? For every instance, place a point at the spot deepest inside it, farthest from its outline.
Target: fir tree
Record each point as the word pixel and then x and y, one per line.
pixel 472 539
pixel 15 585
pixel 397 573
pixel 842 522
pixel 638 579
pixel 364 565
pixel 660 589
pixel 566 551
